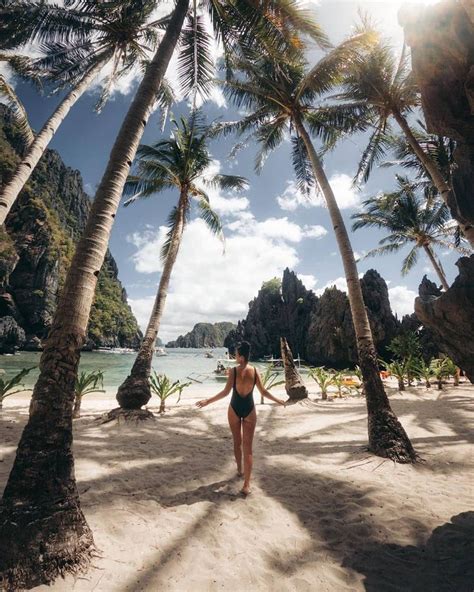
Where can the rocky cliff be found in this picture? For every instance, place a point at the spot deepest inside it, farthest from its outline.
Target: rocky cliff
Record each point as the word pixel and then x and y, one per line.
pixel 36 249
pixel 441 39
pixel 204 335
pixel 318 329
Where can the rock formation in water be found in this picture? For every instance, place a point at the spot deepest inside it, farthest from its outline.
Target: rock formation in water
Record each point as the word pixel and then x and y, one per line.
pixel 37 247
pixel 441 39
pixel 294 386
pixel 204 335
pixel 450 315
pixel 318 329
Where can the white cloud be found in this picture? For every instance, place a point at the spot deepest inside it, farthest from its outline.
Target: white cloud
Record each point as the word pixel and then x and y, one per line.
pixel 340 283
pixel 346 195
pixel 402 300
pixel 207 285
pixel 309 281
pixel 315 231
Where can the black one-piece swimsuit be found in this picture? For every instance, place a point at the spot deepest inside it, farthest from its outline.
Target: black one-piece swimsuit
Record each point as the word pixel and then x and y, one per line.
pixel 242 404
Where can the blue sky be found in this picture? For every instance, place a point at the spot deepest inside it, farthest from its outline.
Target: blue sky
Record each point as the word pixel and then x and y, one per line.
pixel 268 227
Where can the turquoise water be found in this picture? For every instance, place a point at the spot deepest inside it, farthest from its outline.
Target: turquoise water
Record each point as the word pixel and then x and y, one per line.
pixel 178 364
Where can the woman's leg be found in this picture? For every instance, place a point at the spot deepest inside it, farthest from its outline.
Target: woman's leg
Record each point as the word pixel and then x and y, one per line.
pixel 236 429
pixel 248 426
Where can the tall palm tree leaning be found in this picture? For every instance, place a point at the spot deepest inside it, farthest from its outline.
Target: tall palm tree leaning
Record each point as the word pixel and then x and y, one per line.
pixel 43 532
pixel 409 221
pixel 100 34
pixel 281 100
pixel 181 163
pixel 386 88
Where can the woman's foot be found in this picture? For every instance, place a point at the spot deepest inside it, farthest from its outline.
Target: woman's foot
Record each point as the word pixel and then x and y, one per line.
pixel 245 490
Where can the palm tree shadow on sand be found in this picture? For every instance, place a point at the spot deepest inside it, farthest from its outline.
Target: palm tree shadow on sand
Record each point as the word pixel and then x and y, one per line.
pixel 444 564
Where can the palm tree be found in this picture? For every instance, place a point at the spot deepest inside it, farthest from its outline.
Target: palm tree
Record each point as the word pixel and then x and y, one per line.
pixel 180 163
pixel 37 551
pixel 282 100
pixel 384 85
pixel 103 33
pixel 409 221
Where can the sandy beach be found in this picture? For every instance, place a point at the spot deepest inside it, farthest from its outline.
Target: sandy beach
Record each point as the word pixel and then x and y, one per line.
pixel 324 515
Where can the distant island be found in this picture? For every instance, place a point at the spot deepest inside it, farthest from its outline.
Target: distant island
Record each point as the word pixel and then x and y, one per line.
pixel 204 335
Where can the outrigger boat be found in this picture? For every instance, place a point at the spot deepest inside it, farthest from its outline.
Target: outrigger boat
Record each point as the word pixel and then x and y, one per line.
pixel 277 365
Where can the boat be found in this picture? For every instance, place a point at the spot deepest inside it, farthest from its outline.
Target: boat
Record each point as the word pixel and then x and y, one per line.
pixel 160 351
pixel 222 370
pixel 209 354
pixel 277 364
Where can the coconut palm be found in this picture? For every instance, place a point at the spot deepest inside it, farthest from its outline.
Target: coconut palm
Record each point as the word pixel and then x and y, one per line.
pixel 270 379
pixel 383 84
pixel 114 34
pixel 33 552
pixel 410 221
pixel 282 99
pixel 181 163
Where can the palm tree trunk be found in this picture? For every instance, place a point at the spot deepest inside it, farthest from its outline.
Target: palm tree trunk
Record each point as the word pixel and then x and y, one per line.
pixel 43 532
pixel 436 267
pixel 387 437
pixel 135 390
pixel 35 151
pixel 77 407
pixel 430 167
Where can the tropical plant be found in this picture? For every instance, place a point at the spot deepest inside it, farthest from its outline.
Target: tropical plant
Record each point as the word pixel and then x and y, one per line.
pixel 441 370
pixel 323 378
pixel 406 348
pixel 384 86
pixel 60 542
pixel 423 371
pixel 397 369
pixel 282 100
pixel 86 383
pixel 338 379
pixel 181 163
pixel 410 221
pixel 99 33
pixel 453 371
pixel 270 379
pixel 162 386
pixel 7 386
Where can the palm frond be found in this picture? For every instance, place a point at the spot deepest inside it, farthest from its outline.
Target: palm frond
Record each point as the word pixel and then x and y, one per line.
pixel 302 166
pixel 211 219
pixel 195 63
pixel 17 112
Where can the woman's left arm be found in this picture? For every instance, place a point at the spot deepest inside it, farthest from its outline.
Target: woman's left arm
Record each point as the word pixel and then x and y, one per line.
pixel 265 393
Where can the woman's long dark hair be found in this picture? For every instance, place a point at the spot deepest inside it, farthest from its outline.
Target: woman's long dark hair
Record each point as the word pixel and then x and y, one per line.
pixel 243 349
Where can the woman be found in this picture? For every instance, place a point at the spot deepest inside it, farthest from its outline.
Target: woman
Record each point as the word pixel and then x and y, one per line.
pixel 241 413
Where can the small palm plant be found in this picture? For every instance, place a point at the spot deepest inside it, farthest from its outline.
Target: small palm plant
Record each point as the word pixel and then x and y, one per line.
pixel 397 369
pixel 441 370
pixel 270 379
pixel 162 386
pixel 86 383
pixel 7 386
pixel 338 380
pixel 323 378
pixel 453 371
pixel 423 371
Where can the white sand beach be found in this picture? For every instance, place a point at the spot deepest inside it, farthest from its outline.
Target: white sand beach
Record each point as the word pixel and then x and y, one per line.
pixel 324 515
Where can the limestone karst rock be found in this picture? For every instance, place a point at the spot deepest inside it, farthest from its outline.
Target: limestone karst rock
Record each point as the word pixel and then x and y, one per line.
pixel 204 335
pixel 37 246
pixel 450 316
pixel 441 39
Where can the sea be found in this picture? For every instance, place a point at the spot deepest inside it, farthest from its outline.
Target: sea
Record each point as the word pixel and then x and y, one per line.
pixel 177 364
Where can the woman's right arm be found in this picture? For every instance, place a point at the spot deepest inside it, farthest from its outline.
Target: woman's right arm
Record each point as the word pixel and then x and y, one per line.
pixel 224 392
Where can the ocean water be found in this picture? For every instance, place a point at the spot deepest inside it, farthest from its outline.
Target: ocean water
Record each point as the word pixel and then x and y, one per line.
pixel 178 365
